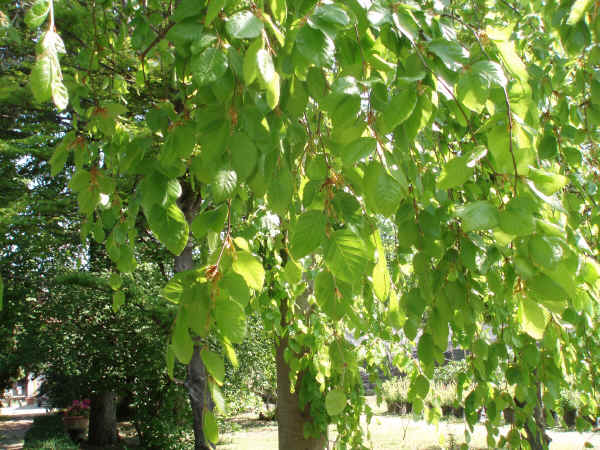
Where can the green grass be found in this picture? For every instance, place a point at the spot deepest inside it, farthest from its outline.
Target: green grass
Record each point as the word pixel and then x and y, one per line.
pixel 387 432
pixel 390 432
pixel 47 433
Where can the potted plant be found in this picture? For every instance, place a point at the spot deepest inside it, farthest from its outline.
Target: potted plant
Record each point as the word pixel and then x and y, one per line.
pixel 76 418
pixel 569 403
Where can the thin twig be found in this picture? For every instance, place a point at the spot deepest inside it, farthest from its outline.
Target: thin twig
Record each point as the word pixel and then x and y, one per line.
pixel 446 87
pixel 510 137
pixel 227 239
pixel 158 38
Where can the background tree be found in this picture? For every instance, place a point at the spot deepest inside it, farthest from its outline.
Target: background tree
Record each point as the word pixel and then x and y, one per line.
pixel 471 126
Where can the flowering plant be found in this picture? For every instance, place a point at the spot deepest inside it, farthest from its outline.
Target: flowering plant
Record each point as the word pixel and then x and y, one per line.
pixel 79 408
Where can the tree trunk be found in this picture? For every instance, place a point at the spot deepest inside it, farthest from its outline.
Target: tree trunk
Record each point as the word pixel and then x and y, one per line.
pixel 196 381
pixel 537 437
pixel 290 418
pixel 103 419
pixel 200 399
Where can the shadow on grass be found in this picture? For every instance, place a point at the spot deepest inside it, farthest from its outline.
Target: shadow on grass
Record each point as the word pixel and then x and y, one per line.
pixel 48 433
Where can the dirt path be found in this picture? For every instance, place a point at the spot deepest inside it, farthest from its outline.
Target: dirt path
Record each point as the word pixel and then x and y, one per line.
pixel 12 431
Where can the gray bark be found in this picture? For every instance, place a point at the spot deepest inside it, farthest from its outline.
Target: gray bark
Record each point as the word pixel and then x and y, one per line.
pixel 200 398
pixel 103 419
pixel 536 436
pixel 196 382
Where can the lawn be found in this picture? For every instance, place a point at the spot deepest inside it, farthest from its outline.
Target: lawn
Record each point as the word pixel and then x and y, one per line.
pixel 387 432
pixel 390 432
pixel 394 433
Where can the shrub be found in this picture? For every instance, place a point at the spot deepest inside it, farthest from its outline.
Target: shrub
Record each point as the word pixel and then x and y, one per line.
pixel 48 433
pixel 449 372
pixel 569 404
pixel 395 394
pixel 445 396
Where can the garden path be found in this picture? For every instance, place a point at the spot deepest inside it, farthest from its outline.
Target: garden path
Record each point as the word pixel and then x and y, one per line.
pixel 14 424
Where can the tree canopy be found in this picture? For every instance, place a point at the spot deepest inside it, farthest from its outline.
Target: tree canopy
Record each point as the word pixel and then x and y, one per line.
pixel 406 172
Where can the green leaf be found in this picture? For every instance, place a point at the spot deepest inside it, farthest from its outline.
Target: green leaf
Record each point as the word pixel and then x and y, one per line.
pixel 224 185
pixel 183 346
pixel 452 54
pixel 182 140
pixel 335 402
pixel 499 145
pixel 214 7
pixel 512 60
pixel 231 320
pixel 60 95
pixel 185 32
pixel 173 289
pixel 357 150
pixel 328 297
pixel 250 268
pixel 533 318
pixel 414 70
pixel 545 251
pixel 230 352
pixel 590 272
pixel 126 262
pixel 315 46
pixel 214 365
pixel 209 426
pixel 426 349
pixel 115 281
pixel 472 91
pixel 273 92
pixel 236 287
pixel 278 9
pixel 420 386
pixel 292 272
pixel 59 159
pixel 347 257
pixel 36 15
pixel 517 222
pixel 481 215
pixel 395 315
pixel 244 25
pixel 209 220
pixel 189 8
pixel 547 182
pixel 40 79
pixel 381 275
pixel 308 233
pixel 578 10
pixel 118 300
pixel 455 173
pixel 217 397
pixel 383 193
pixel 1 293
pixel 281 185
pixel 266 69
pixel 330 15
pixel 491 71
pixel 88 199
pixel 208 66
pixel 170 227
pixel 544 290
pixel 548 147
pixel 398 109
pixel 250 64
